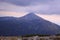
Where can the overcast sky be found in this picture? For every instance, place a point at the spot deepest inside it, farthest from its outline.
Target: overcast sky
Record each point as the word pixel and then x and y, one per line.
pixel 39 6
pixel 48 9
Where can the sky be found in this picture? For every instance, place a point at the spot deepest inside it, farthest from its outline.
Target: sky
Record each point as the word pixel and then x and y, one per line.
pixel 47 9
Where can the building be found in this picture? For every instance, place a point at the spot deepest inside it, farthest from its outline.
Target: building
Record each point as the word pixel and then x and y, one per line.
pixel 30 37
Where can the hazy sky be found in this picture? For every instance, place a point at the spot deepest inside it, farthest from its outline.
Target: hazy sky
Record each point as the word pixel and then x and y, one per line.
pixel 45 8
pixel 40 6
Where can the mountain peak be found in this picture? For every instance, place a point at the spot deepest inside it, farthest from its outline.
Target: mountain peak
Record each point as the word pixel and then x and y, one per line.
pixel 31 16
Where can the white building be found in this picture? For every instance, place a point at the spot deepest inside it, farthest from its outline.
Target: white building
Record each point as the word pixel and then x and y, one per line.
pixel 30 38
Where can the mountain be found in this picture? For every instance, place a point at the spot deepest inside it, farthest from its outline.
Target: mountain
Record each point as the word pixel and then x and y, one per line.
pixel 27 25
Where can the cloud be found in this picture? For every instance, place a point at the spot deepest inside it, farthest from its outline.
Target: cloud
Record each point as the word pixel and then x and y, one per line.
pixel 14 14
pixel 38 6
pixel 10 7
pixel 25 2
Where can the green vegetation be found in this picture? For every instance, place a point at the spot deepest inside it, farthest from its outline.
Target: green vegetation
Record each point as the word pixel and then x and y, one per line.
pixel 35 35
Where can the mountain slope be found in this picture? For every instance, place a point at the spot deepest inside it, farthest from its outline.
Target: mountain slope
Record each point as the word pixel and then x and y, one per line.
pixel 28 24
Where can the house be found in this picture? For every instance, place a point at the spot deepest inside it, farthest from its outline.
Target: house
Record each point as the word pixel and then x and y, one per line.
pixel 8 38
pixel 35 37
pixel 52 37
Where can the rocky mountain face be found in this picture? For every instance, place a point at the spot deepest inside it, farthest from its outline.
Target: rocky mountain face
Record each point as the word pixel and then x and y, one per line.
pixel 26 25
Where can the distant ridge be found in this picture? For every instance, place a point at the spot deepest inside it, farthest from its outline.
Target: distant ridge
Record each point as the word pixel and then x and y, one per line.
pixel 27 25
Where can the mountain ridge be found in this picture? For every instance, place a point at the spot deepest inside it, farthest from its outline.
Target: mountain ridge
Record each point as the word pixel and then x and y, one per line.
pixel 28 24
